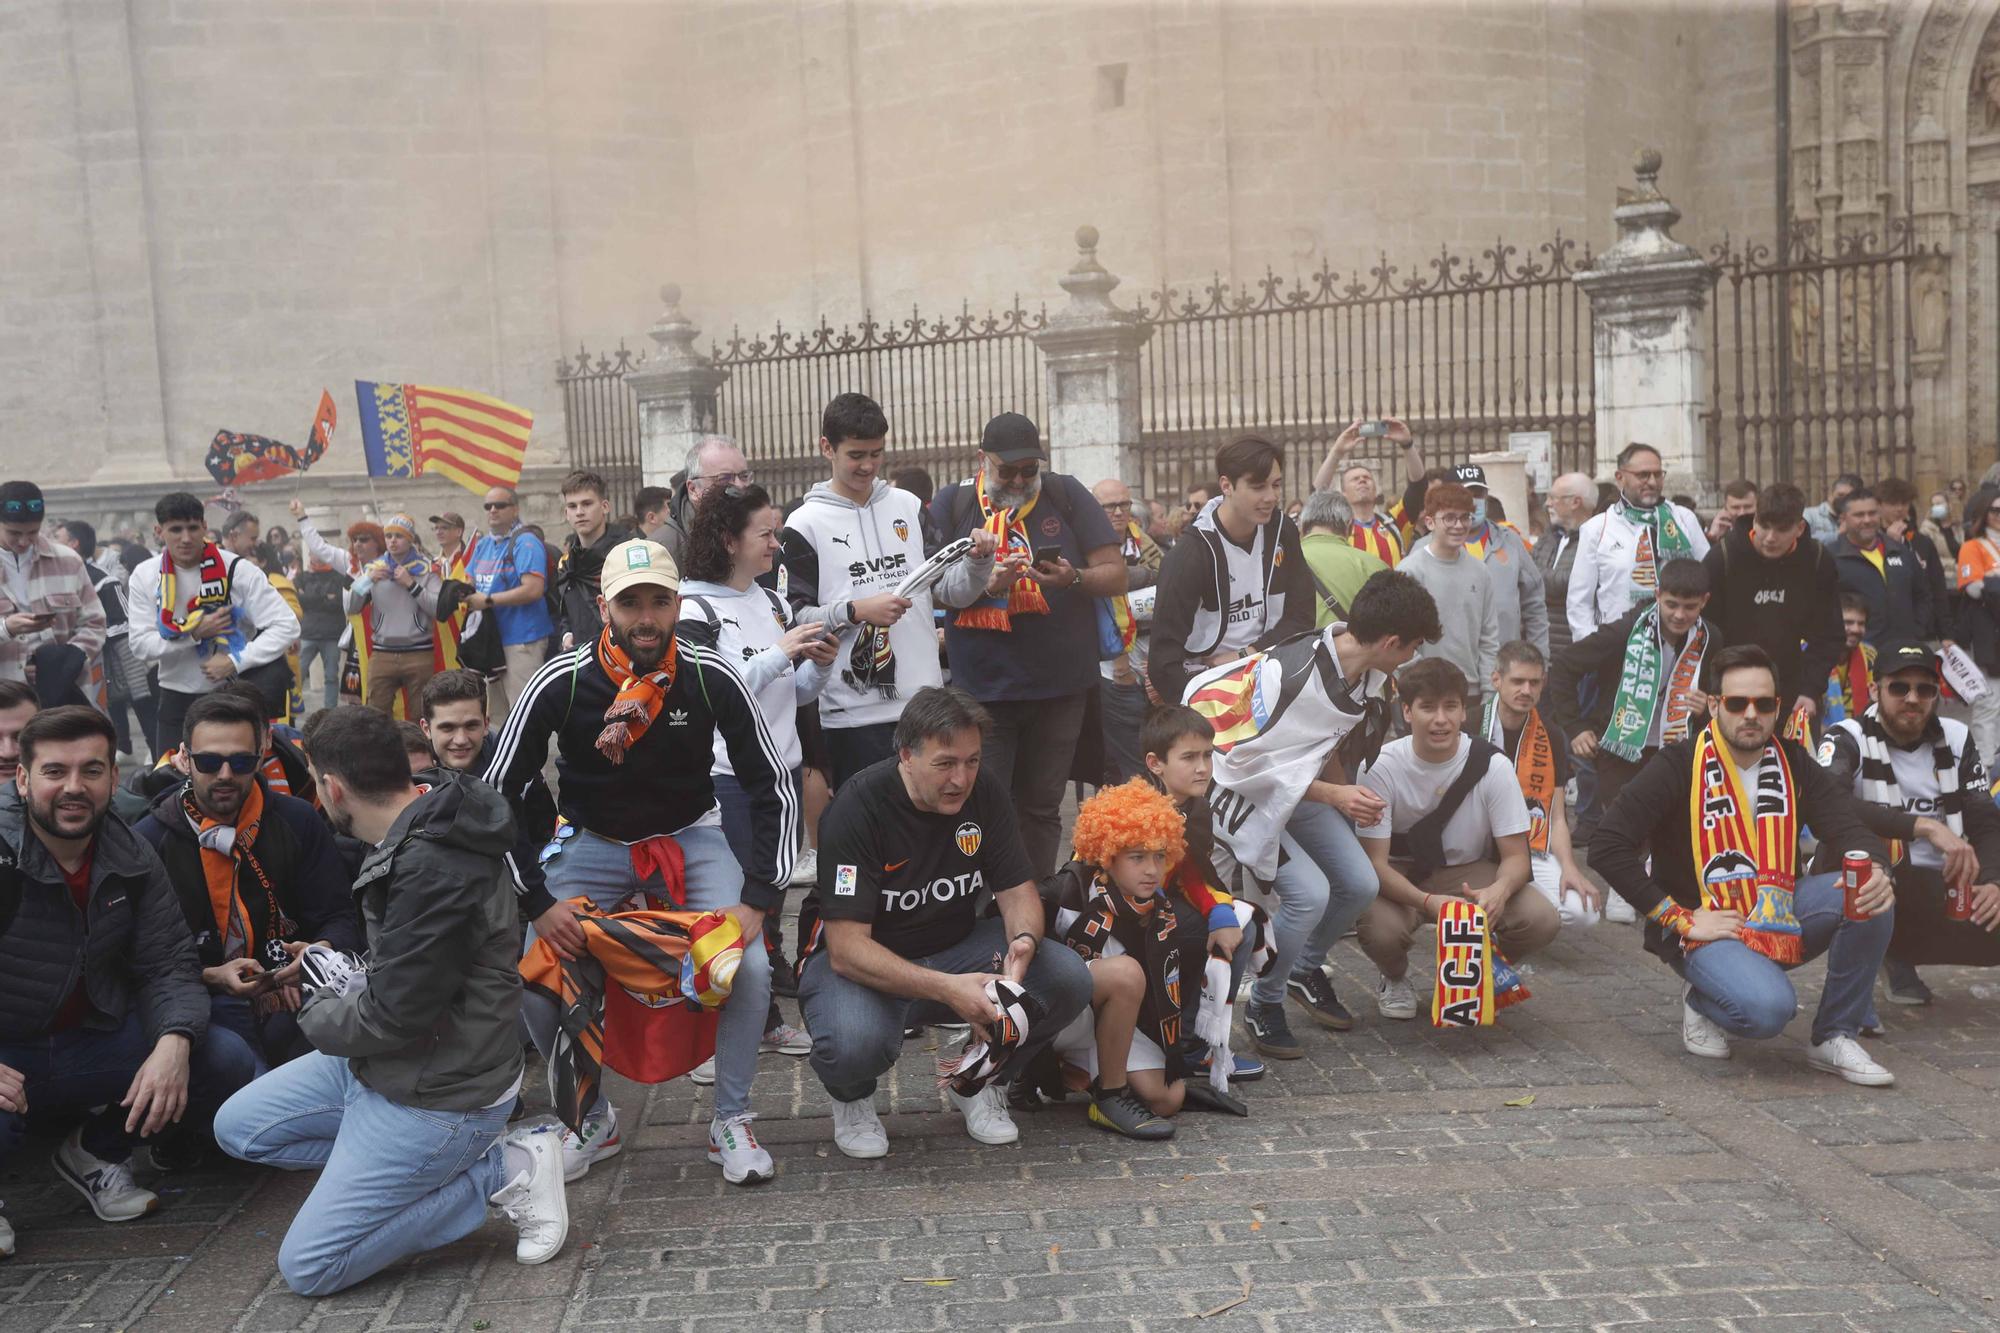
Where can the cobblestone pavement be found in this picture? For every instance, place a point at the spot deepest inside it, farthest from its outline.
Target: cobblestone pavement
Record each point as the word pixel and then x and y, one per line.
pixel 1570 1168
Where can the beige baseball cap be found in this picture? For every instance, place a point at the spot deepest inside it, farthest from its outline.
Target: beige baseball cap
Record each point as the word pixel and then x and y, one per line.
pixel 639 561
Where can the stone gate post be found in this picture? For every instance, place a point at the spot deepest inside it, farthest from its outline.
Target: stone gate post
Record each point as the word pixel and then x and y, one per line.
pixel 1091 351
pixel 1646 294
pixel 676 391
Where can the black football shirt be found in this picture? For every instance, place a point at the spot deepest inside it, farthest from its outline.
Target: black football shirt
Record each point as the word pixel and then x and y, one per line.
pixel 913 875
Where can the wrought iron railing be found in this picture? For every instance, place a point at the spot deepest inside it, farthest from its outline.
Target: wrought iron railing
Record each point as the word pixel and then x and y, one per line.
pixel 939 381
pixel 1812 355
pixel 1467 354
pixel 602 416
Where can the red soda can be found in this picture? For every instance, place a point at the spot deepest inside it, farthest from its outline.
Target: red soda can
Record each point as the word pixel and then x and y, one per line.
pixel 1855 868
pixel 1958 902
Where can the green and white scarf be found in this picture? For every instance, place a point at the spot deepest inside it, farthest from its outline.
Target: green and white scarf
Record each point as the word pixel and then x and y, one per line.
pixel 1639 687
pixel 1660 540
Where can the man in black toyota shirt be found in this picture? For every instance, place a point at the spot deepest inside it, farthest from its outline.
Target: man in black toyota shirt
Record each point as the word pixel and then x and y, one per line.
pixel 893 932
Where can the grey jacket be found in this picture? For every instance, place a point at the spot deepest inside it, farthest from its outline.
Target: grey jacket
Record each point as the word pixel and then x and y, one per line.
pixel 435 1027
pixel 404 619
pixel 1523 601
pixel 136 952
pixel 1555 553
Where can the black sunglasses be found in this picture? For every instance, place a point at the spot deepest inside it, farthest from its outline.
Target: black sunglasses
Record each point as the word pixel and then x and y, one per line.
pixel 1903 689
pixel 239 763
pixel 490 506
pixel 1743 703
pixel 21 508
pixel 1017 471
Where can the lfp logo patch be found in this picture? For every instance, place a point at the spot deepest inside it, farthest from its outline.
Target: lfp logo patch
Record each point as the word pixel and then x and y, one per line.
pixel 843 881
pixel 968 838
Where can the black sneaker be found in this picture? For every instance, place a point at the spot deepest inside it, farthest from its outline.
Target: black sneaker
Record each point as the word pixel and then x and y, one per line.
pixel 1122 1111
pixel 1905 986
pixel 913 1031
pixel 1270 1033
pixel 784 979
pixel 1311 989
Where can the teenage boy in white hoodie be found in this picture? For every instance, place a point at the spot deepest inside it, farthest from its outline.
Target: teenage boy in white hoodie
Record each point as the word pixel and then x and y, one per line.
pixel 846 548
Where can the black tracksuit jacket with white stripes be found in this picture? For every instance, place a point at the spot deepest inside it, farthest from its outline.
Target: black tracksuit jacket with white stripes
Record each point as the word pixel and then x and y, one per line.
pixel 663 786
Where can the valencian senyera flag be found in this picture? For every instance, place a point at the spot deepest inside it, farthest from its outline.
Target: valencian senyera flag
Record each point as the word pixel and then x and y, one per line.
pixel 412 430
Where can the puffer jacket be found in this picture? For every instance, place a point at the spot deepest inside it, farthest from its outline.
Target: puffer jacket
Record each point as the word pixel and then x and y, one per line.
pixel 136 953
pixel 435 1027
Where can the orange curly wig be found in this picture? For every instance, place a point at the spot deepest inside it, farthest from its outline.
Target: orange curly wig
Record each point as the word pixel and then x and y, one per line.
pixel 1134 816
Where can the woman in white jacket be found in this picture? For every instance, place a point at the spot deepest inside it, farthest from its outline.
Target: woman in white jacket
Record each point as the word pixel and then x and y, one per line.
pixel 732 541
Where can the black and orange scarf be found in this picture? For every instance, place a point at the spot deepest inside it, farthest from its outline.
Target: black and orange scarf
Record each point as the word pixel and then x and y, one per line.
pixel 1146 930
pixel 640 697
pixel 1746 844
pixel 1010 533
pixel 227 849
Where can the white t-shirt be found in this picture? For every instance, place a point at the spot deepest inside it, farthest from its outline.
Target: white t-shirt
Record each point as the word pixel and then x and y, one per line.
pixel 1412 789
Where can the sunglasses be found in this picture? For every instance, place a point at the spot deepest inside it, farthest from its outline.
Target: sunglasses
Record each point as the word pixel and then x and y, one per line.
pixel 1748 703
pixel 1903 689
pixel 15 509
pixel 239 763
pixel 1016 471
pixel 491 506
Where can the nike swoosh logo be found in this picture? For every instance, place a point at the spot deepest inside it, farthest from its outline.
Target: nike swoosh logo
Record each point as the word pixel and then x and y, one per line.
pixel 892 869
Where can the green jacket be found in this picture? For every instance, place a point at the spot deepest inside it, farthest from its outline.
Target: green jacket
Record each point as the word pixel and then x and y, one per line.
pixel 435 1026
pixel 1340 570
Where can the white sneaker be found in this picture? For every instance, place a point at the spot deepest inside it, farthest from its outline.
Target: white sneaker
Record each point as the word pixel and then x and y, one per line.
pixel 1617 909
pixel 857 1130
pixel 535 1201
pixel 1841 1054
pixel 1395 999
pixel 733 1146
pixel 108 1186
pixel 1699 1034
pixel 986 1118
pixel 703 1074
pixel 783 1039
pixel 805 870
pixel 6 1239
pixel 598 1142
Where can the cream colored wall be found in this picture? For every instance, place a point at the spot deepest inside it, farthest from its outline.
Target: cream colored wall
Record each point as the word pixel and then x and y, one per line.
pixel 214 207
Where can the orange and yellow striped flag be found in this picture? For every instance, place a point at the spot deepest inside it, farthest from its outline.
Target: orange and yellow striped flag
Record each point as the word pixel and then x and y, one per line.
pixel 473 438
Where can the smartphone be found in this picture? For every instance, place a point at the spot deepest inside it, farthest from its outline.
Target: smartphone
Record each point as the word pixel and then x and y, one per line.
pixel 1374 430
pixel 1048 555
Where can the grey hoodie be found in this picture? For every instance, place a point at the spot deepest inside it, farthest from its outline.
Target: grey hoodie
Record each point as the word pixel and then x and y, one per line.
pixel 838 552
pixel 1522 595
pixel 435 1025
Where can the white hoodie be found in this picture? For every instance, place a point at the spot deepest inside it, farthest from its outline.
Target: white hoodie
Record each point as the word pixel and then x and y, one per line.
pixel 748 625
pixel 838 552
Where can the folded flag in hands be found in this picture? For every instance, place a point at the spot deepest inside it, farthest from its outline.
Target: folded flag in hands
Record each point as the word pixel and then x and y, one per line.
pixel 1014 1012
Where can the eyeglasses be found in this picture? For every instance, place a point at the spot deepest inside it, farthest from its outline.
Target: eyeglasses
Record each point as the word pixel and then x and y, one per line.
pixel 1903 689
pixel 19 509
pixel 239 763
pixel 492 506
pixel 1658 475
pixel 1452 520
pixel 1118 504
pixel 743 478
pixel 1017 471
pixel 1747 703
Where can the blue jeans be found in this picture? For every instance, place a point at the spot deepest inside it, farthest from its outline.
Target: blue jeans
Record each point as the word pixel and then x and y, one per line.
pixel 74 1071
pixel 397 1180
pixel 858 1033
pixel 1747 995
pixel 327 651
pixel 1324 883
pixel 597 868
pixel 227 1059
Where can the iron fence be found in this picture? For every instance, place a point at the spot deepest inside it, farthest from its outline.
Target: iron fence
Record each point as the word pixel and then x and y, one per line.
pixel 939 380
pixel 1811 356
pixel 1466 353
pixel 602 416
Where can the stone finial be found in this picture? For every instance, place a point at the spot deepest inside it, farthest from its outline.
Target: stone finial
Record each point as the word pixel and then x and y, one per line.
pixel 1089 285
pixel 1646 168
pixel 675 332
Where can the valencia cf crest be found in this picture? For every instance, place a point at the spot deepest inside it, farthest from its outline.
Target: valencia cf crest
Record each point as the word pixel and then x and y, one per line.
pixel 968 838
pixel 1278 558
pixel 902 528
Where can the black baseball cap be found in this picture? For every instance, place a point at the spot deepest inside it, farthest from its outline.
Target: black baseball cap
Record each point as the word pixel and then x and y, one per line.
pixel 1011 437
pixel 1470 474
pixel 1901 655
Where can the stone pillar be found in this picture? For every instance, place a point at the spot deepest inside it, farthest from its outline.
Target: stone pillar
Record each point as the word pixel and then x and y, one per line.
pixel 1091 349
pixel 676 389
pixel 1646 296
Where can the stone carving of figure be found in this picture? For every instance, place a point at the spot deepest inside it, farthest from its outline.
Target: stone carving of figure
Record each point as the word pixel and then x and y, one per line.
pixel 1986 86
pixel 1930 307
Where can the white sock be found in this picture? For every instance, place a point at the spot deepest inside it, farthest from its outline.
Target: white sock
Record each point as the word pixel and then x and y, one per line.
pixel 519 1159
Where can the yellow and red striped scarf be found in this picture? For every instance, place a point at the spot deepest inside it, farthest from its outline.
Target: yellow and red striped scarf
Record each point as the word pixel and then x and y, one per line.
pixel 1010 533
pixel 1747 844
